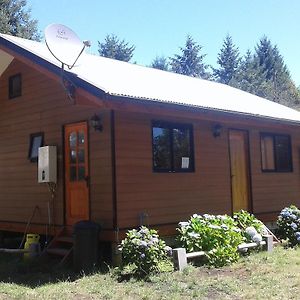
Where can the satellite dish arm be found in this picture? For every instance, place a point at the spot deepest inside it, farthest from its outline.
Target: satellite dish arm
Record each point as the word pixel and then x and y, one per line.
pixel 70 67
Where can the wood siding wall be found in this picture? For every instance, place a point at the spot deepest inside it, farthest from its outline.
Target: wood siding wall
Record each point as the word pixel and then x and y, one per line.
pixel 173 197
pixel 168 197
pixel 273 191
pixel 44 107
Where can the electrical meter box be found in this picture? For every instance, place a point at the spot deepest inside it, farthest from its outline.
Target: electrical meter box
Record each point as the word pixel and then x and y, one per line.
pixel 47 164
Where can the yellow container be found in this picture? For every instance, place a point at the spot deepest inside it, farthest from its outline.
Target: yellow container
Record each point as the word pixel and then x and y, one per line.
pixel 31 238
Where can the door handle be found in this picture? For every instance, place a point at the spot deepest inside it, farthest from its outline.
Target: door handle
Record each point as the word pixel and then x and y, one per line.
pixel 87 180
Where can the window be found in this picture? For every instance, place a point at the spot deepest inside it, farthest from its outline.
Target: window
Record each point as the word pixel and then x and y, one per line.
pixel 15 86
pixel 36 141
pixel 276 153
pixel 172 146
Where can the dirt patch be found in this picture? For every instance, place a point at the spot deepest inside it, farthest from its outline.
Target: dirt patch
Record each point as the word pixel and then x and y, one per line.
pixel 226 271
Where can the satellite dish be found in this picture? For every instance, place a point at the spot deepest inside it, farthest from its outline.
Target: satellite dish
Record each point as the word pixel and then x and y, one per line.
pixel 64 44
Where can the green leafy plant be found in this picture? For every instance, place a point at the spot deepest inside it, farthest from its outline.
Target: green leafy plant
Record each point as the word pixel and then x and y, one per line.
pixel 144 251
pixel 218 236
pixel 289 225
pixel 244 220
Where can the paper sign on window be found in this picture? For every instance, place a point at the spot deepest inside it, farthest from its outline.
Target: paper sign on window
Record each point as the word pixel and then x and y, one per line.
pixel 185 162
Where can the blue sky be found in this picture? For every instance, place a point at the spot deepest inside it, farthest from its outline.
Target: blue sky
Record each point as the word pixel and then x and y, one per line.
pixel 160 27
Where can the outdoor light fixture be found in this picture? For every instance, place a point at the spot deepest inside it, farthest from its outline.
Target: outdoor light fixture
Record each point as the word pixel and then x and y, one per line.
pixel 96 122
pixel 216 130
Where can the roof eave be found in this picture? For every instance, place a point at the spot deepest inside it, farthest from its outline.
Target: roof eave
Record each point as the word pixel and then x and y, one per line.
pixel 17 50
pixel 111 96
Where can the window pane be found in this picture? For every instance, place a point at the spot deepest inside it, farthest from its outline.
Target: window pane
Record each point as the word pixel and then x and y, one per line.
pixel 36 143
pixel 73 156
pixel 283 154
pixel 81 138
pixel 267 152
pixel 181 148
pixel 73 176
pixel 81 155
pixel 81 173
pixel 73 139
pixel 161 148
pixel 15 86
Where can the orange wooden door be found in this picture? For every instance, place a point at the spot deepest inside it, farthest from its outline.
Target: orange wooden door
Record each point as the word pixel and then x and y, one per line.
pixel 239 165
pixel 76 173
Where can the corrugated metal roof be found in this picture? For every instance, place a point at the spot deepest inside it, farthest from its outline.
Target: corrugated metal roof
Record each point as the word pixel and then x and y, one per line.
pixel 130 80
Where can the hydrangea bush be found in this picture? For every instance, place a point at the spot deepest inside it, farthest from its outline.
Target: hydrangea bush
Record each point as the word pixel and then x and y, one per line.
pixel 144 250
pixel 219 236
pixel 252 228
pixel 288 223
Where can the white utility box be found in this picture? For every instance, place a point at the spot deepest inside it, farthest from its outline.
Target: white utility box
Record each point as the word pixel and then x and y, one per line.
pixel 47 164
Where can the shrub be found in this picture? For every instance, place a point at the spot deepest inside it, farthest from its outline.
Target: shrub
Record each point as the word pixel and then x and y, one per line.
pixel 218 236
pixel 288 223
pixel 144 250
pixel 251 227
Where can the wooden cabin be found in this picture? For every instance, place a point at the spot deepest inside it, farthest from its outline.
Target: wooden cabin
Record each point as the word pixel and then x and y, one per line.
pixel 165 145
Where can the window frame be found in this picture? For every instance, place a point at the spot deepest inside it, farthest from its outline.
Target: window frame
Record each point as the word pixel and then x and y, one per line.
pixel 171 126
pixel 11 92
pixel 275 153
pixel 32 137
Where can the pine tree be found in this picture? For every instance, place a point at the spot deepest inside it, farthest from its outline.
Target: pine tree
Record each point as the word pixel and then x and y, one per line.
pixel 277 75
pixel 160 62
pixel 115 48
pixel 265 74
pixel 15 19
pixel 190 61
pixel 269 58
pixel 250 77
pixel 228 59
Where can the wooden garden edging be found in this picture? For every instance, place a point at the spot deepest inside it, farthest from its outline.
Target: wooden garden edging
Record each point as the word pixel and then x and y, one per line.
pixel 180 256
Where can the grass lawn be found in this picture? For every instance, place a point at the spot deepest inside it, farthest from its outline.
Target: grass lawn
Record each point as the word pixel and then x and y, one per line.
pixel 259 276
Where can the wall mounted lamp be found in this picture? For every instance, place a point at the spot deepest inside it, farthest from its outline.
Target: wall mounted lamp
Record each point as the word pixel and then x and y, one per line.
pixel 216 130
pixel 96 122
